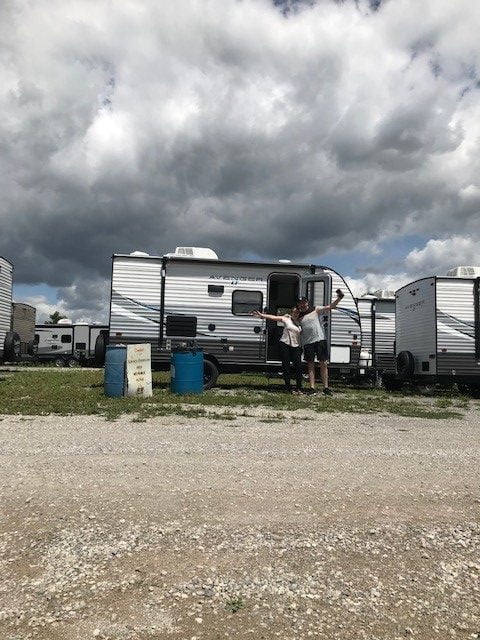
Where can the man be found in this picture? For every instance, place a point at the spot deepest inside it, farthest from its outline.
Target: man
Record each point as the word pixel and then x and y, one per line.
pixel 314 342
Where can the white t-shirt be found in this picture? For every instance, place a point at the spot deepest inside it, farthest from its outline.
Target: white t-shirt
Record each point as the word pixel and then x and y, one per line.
pixel 312 329
pixel 291 333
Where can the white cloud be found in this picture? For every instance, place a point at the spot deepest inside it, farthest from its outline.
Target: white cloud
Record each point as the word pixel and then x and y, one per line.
pixel 226 124
pixel 437 256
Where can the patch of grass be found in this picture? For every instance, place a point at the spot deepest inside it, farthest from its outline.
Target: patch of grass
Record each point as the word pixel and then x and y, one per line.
pixel 81 392
pixel 235 604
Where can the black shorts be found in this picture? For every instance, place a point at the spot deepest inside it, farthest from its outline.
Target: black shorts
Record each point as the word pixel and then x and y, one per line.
pixel 318 349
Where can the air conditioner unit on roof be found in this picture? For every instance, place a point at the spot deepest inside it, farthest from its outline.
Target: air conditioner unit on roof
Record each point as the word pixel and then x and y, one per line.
pixel 193 252
pixel 464 272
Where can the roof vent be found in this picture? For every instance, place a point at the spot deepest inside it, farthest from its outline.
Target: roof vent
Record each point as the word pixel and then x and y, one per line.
pixel 384 293
pixel 285 261
pixel 139 253
pixel 193 252
pixel 64 321
pixel 464 272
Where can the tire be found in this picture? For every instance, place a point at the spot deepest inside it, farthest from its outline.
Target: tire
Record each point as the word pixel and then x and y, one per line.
pixel 390 383
pixel 210 374
pixel 12 347
pixel 405 364
pixel 72 363
pixel 100 349
pixel 59 362
pixel 474 390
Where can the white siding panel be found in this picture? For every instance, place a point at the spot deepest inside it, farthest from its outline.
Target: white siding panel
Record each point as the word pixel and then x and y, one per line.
pixel 345 321
pixel 415 322
pixel 384 326
pixel 135 310
pixel 186 292
pixel 455 315
pixel 6 273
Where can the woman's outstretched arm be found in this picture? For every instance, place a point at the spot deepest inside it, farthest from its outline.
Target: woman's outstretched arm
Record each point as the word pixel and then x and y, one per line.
pixel 268 316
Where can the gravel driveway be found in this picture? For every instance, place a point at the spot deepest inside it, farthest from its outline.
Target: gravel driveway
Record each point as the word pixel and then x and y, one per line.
pixel 322 526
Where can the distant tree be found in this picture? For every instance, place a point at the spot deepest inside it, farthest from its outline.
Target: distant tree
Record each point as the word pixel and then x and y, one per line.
pixel 55 317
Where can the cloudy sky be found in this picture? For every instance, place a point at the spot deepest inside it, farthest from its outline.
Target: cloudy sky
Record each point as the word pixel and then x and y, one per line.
pixel 339 132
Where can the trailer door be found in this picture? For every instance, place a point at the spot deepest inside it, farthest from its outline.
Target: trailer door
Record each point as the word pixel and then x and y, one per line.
pixel 81 335
pixel 283 291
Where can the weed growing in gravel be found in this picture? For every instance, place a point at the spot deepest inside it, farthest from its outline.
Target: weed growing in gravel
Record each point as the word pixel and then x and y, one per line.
pixel 234 604
pixel 81 392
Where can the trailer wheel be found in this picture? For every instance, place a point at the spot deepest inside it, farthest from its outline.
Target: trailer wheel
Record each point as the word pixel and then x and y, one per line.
pixel 405 364
pixel 210 374
pixel 12 347
pixel 463 388
pixel 100 349
pixel 59 362
pixel 474 390
pixel 391 383
pixel 73 362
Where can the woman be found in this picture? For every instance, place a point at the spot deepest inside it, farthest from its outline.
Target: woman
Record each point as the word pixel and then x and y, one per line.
pixel 290 349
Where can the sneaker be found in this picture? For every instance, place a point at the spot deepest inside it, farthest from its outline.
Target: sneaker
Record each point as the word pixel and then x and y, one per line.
pixel 310 392
pixel 327 392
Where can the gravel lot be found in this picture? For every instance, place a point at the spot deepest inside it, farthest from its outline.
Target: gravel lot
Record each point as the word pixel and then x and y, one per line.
pixel 316 525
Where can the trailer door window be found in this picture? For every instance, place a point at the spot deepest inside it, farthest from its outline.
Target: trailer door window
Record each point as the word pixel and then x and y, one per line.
pixel 316 293
pixel 244 302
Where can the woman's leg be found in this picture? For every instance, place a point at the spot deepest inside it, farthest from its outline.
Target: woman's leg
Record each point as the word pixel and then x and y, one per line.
pixel 285 356
pixel 296 356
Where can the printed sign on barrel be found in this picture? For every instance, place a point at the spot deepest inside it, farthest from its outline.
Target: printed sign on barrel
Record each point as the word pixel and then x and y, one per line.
pixel 139 370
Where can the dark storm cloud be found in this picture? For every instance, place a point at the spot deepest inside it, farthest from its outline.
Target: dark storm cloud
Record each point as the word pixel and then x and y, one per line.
pixel 278 129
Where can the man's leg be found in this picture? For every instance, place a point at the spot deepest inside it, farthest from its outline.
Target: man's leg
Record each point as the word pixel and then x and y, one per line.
pixel 324 373
pixel 311 373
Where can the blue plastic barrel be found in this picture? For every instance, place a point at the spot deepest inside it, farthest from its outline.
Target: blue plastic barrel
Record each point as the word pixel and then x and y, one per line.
pixel 114 380
pixel 186 370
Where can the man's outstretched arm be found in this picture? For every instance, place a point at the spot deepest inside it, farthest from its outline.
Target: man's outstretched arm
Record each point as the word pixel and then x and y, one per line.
pixel 333 304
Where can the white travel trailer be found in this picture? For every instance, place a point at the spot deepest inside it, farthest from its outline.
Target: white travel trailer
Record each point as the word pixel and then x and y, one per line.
pixel 9 340
pixel 438 330
pixel 377 317
pixel 68 344
pixel 180 297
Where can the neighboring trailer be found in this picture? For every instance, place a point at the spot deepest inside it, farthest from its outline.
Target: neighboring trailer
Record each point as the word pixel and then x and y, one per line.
pixel 23 323
pixel 9 340
pixel 68 344
pixel 377 317
pixel 365 305
pixel 170 299
pixel 383 335
pixel 438 332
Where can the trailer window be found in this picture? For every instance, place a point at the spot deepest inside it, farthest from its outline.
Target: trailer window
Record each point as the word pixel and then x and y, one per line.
pixel 66 338
pixel 81 346
pixel 244 302
pixel 316 293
